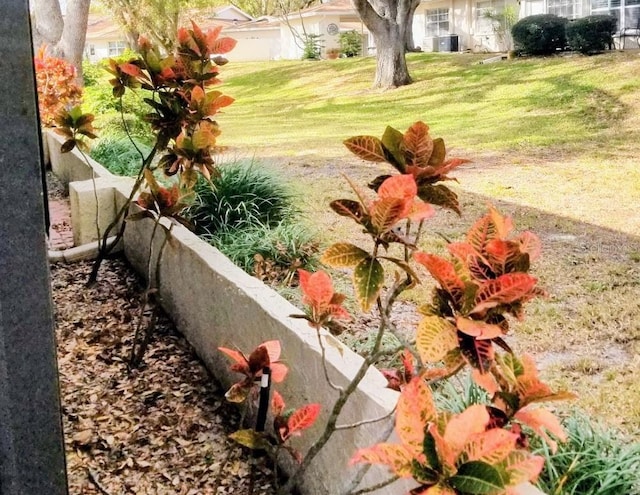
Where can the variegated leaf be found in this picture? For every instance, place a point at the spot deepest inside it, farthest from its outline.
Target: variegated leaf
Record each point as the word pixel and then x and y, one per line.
pixel 393 147
pixel 368 148
pixel 396 457
pixel 343 255
pixel 435 337
pixel 540 420
pixel 438 154
pixel 523 466
pixel 385 213
pixel 418 145
pixel 462 427
pixel 439 195
pixel 491 446
pixel 368 278
pixel 414 411
pixel 506 289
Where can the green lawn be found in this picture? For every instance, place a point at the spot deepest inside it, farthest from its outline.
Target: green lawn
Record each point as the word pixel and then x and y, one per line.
pixel 289 106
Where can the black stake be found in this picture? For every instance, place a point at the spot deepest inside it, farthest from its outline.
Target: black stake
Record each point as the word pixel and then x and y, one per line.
pixel 261 420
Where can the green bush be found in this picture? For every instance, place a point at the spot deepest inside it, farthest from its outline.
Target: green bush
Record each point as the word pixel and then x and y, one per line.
pixel 593 461
pixel 272 253
pixel 111 125
pixel 542 34
pixel 119 155
pixel 243 196
pixel 250 215
pixel 350 44
pixel 312 47
pixel 92 73
pixel 591 34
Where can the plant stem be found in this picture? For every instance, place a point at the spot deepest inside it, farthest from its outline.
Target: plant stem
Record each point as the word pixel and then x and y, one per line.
pixel 106 248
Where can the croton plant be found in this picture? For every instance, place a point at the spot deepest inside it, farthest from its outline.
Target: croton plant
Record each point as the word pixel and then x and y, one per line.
pixel 479 289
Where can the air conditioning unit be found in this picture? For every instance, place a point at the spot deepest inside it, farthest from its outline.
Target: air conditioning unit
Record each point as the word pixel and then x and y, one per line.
pixel 447 43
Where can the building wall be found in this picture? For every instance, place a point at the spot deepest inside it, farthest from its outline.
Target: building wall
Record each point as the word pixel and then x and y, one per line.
pixel 254 45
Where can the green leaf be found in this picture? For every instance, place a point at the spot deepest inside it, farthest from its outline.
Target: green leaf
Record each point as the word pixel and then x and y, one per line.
pixel 368 278
pixel 439 152
pixel 392 145
pixel 477 477
pixel 368 148
pixel 343 254
pixel 251 439
pixel 431 451
pixel 423 474
pixel 439 195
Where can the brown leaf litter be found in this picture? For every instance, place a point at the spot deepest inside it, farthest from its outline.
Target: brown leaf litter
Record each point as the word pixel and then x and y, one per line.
pixel 161 429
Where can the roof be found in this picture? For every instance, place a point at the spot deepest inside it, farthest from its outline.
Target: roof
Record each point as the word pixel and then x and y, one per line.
pixel 101 26
pixel 331 7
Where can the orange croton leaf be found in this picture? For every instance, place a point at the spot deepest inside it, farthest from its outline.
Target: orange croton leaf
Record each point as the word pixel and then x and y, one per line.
pixel 540 420
pixel 397 458
pixel 522 467
pixel 277 403
pixel 478 329
pixel 222 46
pixel 530 244
pixel 414 411
pixel 462 427
pixel 318 294
pixel 238 358
pixel 485 380
pixel 506 289
pixel 418 145
pixel 403 188
pixel 491 446
pixel 443 271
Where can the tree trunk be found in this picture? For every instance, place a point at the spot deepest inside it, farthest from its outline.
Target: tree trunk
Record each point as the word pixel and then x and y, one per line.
pixel 386 20
pixel 47 22
pixel 409 43
pixel 391 67
pixel 74 34
pixel 65 37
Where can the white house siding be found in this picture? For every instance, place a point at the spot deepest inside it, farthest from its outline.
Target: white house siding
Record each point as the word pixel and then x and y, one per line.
pixel 255 44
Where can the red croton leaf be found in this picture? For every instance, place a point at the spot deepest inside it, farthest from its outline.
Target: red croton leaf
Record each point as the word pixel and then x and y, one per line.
pixel 506 289
pixel 222 46
pixel 238 358
pixel 303 418
pixel 444 272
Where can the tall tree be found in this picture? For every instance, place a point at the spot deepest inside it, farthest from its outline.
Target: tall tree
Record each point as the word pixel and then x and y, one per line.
pixel 158 20
pixel 389 22
pixel 64 36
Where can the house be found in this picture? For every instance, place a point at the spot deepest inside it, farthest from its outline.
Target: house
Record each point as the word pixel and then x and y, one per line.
pixel 438 25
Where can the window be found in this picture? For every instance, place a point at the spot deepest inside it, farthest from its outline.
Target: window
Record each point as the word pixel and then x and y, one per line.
pixel 437 22
pixel 117 48
pixel 571 9
pixel 484 25
pixel 92 49
pixel 626 11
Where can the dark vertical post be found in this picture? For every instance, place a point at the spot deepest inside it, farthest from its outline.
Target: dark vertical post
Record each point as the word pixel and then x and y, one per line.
pixel 31 443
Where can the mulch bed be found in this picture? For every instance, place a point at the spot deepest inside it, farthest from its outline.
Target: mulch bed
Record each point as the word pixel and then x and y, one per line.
pixel 160 429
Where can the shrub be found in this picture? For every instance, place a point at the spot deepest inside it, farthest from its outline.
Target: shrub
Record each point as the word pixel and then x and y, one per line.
pixel 243 196
pixel 57 89
pixel 350 43
pixel 91 73
pixel 248 213
pixel 272 253
pixel 542 34
pixel 312 47
pixel 593 461
pixel 119 155
pixel 591 34
pixel 111 125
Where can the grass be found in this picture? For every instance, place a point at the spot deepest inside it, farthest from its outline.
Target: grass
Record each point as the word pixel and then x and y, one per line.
pixel 525 103
pixel 593 461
